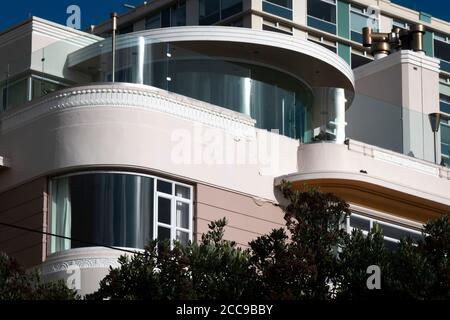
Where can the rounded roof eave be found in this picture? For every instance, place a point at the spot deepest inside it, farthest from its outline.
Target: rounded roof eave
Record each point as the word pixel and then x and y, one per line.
pixel 318 66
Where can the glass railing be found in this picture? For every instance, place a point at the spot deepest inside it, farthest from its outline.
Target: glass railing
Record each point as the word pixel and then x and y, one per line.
pixel 27 76
pixel 268 92
pixel 248 82
pixel 277 10
pixel 386 125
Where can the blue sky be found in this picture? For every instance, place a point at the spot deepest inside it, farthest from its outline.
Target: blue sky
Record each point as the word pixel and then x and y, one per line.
pixel 95 11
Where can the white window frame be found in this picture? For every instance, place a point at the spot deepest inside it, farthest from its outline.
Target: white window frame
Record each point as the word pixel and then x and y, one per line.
pixel 441 38
pixel 173 210
pixel 373 221
pixel 156 194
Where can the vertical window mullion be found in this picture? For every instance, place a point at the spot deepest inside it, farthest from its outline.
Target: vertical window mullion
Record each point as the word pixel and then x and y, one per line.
pixel 173 215
pixel 155 210
pixel 191 227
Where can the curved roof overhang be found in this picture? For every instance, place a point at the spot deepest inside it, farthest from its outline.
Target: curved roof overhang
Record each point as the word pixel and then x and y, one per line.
pixel 369 192
pixel 310 62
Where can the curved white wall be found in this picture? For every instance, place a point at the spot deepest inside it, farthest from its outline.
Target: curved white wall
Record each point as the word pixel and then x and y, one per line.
pixel 140 127
pixel 81 269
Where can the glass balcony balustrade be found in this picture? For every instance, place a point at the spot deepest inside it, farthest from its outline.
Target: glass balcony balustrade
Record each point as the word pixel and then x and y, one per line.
pixel 236 78
pixel 275 98
pixel 393 127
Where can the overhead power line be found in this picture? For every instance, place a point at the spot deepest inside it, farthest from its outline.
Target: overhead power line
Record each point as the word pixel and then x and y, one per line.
pixel 68 238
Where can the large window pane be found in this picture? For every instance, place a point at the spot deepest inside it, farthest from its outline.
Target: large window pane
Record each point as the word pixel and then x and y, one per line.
pixel 398 233
pixel 279 8
pixel 178 15
pixel 445 103
pixel 164 186
pixel 442 50
pixel 153 22
pixel 283 3
pixel 392 233
pixel 182 237
pixel 182 191
pixel 165 18
pixel 103 209
pixel 359 20
pixel 182 215
pixel 209 11
pixel 359 223
pixel 42 87
pixel 114 209
pixel 15 94
pixel 164 209
pixel 445 144
pixel 274 99
pixel 322 10
pixel 163 234
pixel 230 7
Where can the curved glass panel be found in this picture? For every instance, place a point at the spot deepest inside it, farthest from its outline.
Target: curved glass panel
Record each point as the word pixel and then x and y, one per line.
pixel 117 209
pixel 241 77
pixel 102 208
pixel 275 99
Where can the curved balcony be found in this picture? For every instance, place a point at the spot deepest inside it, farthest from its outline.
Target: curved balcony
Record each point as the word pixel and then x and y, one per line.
pixel 375 178
pixel 82 268
pixel 283 83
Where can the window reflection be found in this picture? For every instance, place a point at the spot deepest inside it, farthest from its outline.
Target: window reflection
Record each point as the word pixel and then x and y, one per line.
pixel 115 209
pixel 322 15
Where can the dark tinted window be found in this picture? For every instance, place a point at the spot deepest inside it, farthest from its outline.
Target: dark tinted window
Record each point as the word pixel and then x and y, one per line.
pixel 110 209
pixel 442 50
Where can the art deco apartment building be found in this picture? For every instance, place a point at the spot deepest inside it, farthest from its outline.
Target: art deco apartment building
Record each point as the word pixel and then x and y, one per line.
pixel 202 109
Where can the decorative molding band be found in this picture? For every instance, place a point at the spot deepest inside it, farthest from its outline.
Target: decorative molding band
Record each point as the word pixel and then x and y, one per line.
pixel 132 96
pixel 81 263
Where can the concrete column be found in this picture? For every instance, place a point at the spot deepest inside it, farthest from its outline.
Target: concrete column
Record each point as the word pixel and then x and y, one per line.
pixel 339 109
pixel 140 61
pixel 257 22
pixel 385 24
pixel 299 10
pixel 407 84
pixel 253 4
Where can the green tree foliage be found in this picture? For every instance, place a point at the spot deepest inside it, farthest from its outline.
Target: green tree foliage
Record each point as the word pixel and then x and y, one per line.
pixel 311 258
pixel 213 269
pixel 16 284
pixel 303 265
